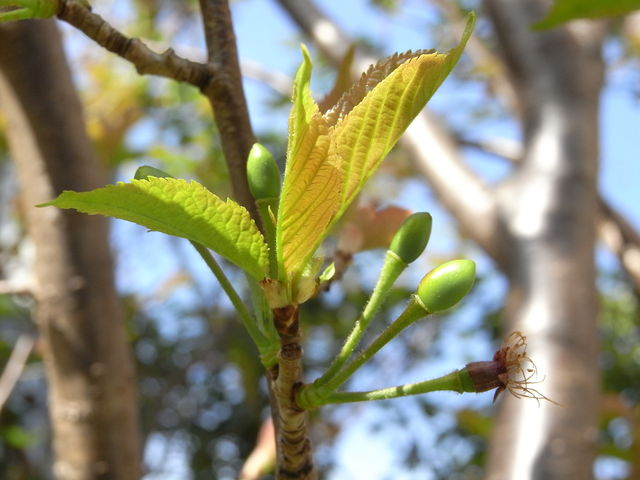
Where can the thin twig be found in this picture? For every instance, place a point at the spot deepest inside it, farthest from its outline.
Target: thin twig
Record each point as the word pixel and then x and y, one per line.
pixel 15 366
pixel 15 288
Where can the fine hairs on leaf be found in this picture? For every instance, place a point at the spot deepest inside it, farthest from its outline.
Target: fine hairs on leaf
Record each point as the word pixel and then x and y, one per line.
pixel 368 80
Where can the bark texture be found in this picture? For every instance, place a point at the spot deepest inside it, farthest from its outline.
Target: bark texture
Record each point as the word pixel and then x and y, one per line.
pixel 226 96
pixel 549 210
pixel 89 366
pixel 294 454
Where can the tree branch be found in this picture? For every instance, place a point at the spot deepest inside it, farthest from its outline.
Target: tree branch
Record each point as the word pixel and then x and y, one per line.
pixel 432 148
pixel 622 239
pixel 219 79
pixel 226 95
pixel 278 82
pixel 549 206
pixel 8 287
pixel 14 367
pixel 614 230
pixel 295 459
pixel 146 61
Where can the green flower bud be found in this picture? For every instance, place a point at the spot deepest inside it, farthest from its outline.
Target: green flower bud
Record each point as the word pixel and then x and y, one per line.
pixel 446 285
pixel 412 237
pixel 142 173
pixel 263 173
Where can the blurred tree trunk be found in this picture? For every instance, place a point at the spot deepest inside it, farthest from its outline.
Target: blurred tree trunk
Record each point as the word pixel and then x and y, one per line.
pixel 549 210
pixel 89 365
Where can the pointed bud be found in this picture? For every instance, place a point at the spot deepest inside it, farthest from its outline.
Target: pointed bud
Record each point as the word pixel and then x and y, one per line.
pixel 412 237
pixel 446 285
pixel 263 173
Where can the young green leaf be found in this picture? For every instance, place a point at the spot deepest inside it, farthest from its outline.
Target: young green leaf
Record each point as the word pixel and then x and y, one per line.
pixel 304 106
pixel 309 200
pixel 370 118
pixel 183 209
pixel 331 155
pixel 311 188
pixel 342 83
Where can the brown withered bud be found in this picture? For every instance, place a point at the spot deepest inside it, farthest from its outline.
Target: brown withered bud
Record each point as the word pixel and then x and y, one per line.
pixel 511 369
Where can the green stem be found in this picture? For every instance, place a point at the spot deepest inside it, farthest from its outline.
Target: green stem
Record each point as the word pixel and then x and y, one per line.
pixel 266 209
pixel 247 320
pixel 456 381
pixel 315 394
pixel 393 266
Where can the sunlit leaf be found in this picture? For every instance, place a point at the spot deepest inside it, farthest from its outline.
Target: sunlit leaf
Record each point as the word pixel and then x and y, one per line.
pixel 330 156
pixel 395 91
pixel 304 106
pixel 309 200
pixel 310 191
pixel 183 209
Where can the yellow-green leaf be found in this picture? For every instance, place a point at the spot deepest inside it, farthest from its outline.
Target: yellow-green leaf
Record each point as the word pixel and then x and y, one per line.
pixel 311 188
pixel 331 155
pixel 183 209
pixel 364 136
pixel 304 106
pixel 309 200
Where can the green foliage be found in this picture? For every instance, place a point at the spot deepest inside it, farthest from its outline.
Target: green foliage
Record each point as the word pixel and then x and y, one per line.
pixel 183 209
pixel 566 10
pixel 621 342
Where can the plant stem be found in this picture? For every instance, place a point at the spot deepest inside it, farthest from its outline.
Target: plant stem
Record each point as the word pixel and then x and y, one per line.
pixel 313 394
pixel 391 269
pixel 456 381
pixel 247 319
pixel 294 452
pixel 266 209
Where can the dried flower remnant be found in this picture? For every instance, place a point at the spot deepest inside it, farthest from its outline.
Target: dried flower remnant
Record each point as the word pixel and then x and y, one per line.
pixel 511 369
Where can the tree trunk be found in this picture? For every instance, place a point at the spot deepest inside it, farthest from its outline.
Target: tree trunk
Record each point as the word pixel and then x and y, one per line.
pixel 549 209
pixel 89 366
